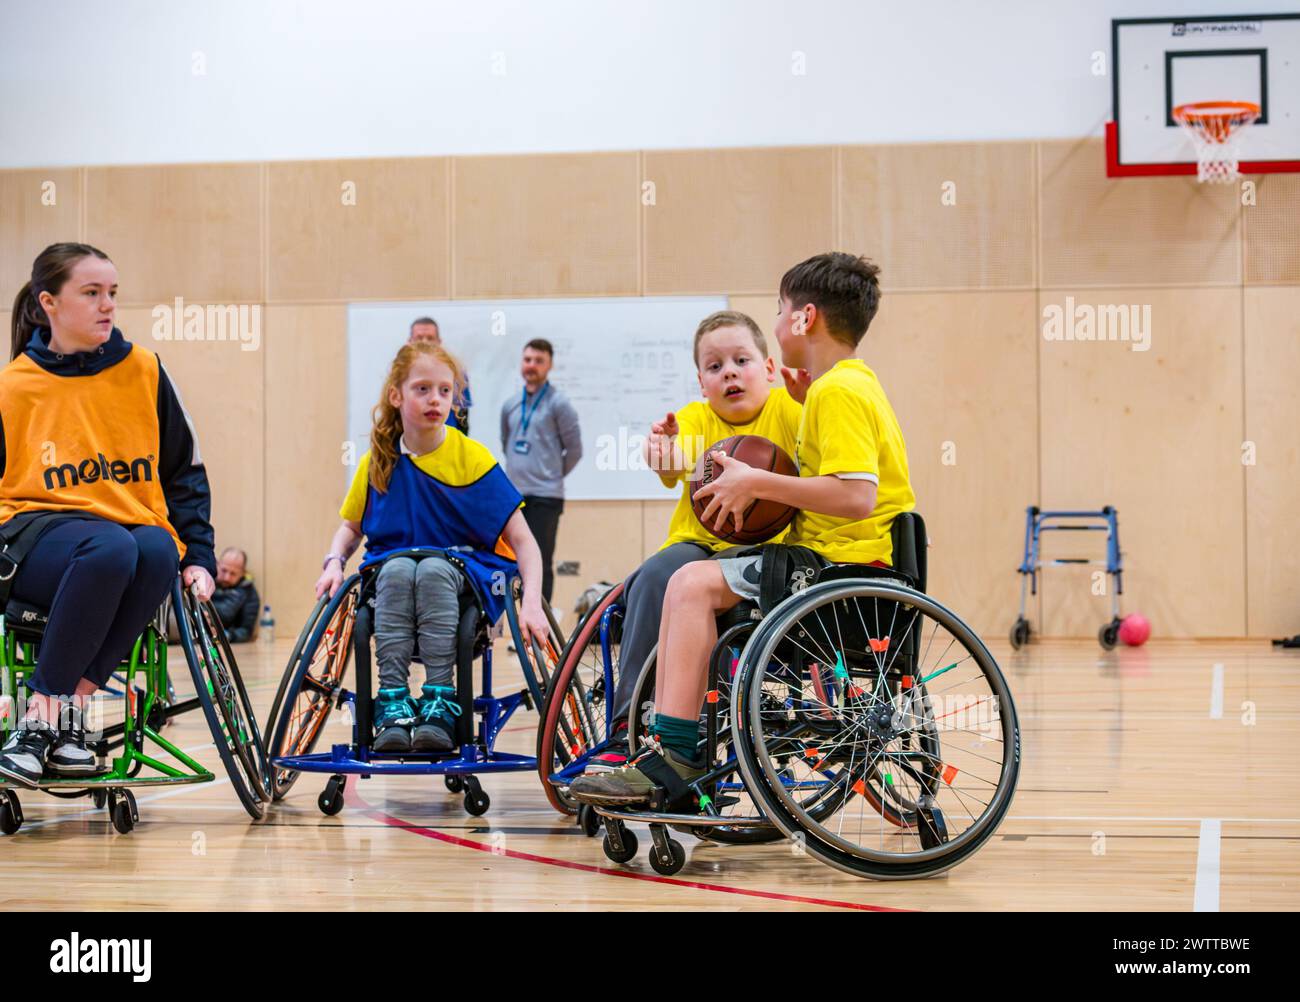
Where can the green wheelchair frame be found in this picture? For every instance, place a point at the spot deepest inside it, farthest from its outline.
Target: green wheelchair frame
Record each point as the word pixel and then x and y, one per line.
pixel 220 693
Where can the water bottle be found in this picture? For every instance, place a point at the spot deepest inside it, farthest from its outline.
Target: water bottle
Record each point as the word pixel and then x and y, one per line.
pixel 266 627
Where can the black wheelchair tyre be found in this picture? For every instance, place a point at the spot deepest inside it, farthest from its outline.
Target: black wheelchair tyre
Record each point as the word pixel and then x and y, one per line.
pixel 274 715
pixel 295 674
pixel 532 660
pixel 244 760
pixel 761 779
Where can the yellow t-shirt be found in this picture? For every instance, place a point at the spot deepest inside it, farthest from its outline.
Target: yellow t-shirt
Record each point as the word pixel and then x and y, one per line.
pixel 701 427
pixel 849 427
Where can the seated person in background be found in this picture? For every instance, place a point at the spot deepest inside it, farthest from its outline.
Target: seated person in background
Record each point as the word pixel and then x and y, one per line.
pixel 236 598
pixel 426 329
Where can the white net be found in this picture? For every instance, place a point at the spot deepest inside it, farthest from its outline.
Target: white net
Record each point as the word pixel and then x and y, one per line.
pixel 1214 128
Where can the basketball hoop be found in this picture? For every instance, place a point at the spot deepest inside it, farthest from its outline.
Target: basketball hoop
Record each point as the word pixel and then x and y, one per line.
pixel 1214 127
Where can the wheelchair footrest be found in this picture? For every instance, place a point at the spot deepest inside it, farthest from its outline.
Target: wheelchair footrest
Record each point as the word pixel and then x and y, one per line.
pixel 683 820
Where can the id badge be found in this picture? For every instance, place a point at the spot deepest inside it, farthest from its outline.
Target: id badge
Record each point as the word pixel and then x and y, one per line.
pixel 522 446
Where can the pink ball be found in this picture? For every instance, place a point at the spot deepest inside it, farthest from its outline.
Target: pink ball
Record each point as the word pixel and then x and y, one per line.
pixel 1134 630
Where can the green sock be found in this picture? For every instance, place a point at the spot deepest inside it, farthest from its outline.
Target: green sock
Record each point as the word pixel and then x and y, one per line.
pixel 681 737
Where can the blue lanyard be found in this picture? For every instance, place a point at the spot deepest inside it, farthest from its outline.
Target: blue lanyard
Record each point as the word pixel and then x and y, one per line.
pixel 525 414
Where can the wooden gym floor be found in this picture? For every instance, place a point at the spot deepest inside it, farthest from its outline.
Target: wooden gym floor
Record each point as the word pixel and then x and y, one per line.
pixel 1156 778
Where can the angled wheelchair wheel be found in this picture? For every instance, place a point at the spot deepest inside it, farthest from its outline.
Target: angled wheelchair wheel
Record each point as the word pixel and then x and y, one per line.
pixel 576 714
pixel 287 675
pixel 731 797
pixel 224 699
pixel 312 680
pixel 894 703
pixel 540 662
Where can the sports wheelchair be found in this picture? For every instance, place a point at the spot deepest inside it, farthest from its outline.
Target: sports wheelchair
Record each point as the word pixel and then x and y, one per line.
pixel 340 629
pixel 859 718
pixel 219 692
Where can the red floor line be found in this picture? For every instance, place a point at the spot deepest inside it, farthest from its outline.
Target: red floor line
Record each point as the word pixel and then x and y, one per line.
pixel 355 799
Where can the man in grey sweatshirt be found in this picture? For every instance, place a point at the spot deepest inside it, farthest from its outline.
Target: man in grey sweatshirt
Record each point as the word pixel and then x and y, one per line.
pixel 542 444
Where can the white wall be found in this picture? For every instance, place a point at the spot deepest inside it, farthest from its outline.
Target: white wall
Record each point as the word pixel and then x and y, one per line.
pixel 95 82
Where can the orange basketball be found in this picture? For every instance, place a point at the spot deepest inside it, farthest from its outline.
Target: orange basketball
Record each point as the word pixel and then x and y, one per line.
pixel 763 519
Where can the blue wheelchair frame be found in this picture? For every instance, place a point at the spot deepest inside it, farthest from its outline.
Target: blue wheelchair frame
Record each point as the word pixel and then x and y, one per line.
pixel 604 631
pixel 476 753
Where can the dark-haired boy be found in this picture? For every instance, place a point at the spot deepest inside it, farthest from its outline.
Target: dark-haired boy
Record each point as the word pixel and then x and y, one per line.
pixel 853 480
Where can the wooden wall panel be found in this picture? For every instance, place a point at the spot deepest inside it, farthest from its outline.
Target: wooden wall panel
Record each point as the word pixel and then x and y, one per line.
pixel 1158 435
pixel 605 537
pixel 187 230
pixel 1272 250
pixel 1273 482
pixel 762 310
pixel 28 225
pixel 956 215
pixel 655 516
pixel 385 237
pixel 559 225
pixel 223 388
pixel 735 219
pixel 1135 231
pixel 959 370
pixel 306 424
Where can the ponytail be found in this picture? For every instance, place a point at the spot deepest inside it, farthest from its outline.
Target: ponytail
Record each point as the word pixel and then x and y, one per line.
pixel 50 271
pixel 27 316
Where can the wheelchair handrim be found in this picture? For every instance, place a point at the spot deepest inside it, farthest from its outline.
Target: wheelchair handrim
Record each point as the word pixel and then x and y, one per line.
pixel 755 762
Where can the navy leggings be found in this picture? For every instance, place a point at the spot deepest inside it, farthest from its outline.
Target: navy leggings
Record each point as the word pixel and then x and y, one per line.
pixel 102 583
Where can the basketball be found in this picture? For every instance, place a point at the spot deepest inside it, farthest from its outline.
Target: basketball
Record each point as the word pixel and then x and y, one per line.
pixel 763 519
pixel 1135 629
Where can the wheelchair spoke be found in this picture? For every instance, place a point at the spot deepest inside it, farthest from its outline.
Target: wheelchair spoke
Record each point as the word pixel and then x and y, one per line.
pixel 842 690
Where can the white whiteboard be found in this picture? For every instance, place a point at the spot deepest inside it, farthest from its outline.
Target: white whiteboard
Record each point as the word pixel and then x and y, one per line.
pixel 623 362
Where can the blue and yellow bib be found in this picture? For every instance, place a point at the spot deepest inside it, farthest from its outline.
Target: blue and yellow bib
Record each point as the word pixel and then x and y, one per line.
pixel 455 498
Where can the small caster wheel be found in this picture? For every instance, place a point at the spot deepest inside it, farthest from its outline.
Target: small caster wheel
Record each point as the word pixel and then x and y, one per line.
pixel 157 718
pixel 626 848
pixel 331 799
pixel 476 801
pixel 10 821
pixel 931 828
pixel 669 859
pixel 99 798
pixel 124 817
pixel 1020 634
pixel 1108 635
pixel 588 820
pixel 454 783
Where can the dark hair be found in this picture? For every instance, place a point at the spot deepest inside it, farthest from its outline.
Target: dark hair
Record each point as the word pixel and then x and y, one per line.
pixel 50 271
pixel 728 318
pixel 844 288
pixel 423 320
pixel 541 344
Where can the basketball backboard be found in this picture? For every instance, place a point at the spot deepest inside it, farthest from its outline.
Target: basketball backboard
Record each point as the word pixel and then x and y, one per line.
pixel 1158 64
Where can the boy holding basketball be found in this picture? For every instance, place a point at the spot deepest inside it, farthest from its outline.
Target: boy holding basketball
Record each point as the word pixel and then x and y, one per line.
pixel 853 480
pixel 736 377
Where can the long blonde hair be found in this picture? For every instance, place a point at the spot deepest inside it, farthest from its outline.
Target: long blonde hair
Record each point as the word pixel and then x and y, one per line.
pixel 387 427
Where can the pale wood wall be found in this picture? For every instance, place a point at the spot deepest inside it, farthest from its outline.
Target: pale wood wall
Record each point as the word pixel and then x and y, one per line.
pixel 996 417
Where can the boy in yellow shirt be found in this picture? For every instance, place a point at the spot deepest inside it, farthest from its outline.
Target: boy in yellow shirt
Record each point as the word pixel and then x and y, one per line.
pixel 853 480
pixel 736 377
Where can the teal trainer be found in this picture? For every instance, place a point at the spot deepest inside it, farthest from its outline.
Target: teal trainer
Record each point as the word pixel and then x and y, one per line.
pixel 436 728
pixel 395 712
